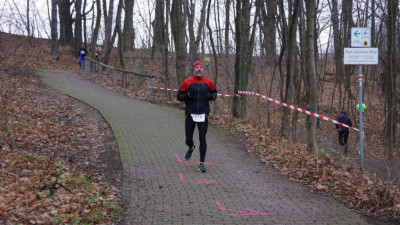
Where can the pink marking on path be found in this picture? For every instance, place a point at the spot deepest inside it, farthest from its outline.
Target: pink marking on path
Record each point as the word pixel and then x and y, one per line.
pixel 191 162
pixel 249 212
pixel 196 181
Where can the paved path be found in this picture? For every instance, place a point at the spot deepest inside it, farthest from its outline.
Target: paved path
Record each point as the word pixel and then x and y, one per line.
pixel 159 188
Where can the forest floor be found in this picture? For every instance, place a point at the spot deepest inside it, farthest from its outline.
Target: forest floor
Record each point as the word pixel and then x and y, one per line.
pixel 49 133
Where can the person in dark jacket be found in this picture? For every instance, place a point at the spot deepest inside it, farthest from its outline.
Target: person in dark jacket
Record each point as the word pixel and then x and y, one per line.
pixel 343 131
pixel 197 91
pixel 82 53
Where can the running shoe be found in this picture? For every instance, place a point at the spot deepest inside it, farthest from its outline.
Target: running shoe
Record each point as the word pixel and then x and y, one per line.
pixel 189 152
pixel 202 168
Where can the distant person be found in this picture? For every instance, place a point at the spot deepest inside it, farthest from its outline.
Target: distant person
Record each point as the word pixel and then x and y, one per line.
pixel 82 53
pixel 97 54
pixel 358 110
pixel 197 91
pixel 362 108
pixel 343 131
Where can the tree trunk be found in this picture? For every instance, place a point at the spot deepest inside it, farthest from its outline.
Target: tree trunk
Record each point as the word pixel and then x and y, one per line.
pixel 337 40
pixel 28 24
pixel 244 51
pixel 312 73
pixel 373 39
pixel 165 51
pixel 213 50
pixel 390 125
pixel 78 27
pixel 194 41
pixel 227 24
pixel 269 30
pixel 107 35
pixel 120 36
pixel 290 68
pixel 54 31
pixel 283 46
pixel 84 22
pixel 66 21
pixel 158 26
pixel 178 32
pixel 95 34
pixel 129 33
pixel 347 24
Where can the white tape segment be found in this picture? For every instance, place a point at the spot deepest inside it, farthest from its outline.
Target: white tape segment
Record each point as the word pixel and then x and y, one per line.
pixel 299 109
pixel 167 89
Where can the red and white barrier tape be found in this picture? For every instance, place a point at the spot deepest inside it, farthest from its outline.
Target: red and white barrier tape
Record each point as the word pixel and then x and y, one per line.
pixel 167 89
pixel 277 102
pixel 299 109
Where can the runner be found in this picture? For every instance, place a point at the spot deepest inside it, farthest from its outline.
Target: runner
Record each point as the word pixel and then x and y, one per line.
pixel 197 91
pixel 82 53
pixel 344 131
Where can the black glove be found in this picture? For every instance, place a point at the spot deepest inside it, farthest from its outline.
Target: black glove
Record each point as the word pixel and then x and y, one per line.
pixel 190 93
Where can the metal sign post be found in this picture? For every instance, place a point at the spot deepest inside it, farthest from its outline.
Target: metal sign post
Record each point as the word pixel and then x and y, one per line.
pixel 361 118
pixel 360 54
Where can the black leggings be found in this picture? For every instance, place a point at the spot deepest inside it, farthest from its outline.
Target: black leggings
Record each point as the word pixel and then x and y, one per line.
pixel 189 129
pixel 343 136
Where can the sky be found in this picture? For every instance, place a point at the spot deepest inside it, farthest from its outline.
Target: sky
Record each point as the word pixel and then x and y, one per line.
pixel 13 19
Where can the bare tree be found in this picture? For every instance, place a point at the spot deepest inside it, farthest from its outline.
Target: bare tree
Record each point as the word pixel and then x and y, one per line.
pixel 390 125
pixel 54 31
pixel 78 27
pixel 337 42
pixel 165 49
pixel 158 26
pixel 66 21
pixel 312 74
pixel 227 24
pixel 347 24
pixel 178 32
pixel 118 30
pixel 244 52
pixel 129 33
pixel 84 22
pixel 108 31
pixel 268 18
pixel 195 41
pixel 95 33
pixel 290 66
pixel 373 39
pixel 28 26
pixel 213 50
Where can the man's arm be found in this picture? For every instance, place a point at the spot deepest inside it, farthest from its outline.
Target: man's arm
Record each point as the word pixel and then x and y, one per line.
pixel 212 95
pixel 183 93
pixel 183 96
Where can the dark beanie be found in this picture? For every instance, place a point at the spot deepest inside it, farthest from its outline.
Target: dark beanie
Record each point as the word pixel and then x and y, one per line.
pixel 344 112
pixel 197 63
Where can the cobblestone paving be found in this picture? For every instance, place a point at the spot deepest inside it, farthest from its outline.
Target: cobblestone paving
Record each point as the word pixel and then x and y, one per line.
pixel 160 187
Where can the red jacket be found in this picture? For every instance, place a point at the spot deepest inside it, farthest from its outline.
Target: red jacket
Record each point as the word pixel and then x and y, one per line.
pixel 197 92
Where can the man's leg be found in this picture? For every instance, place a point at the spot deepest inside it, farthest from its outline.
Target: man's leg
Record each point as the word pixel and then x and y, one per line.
pixel 202 136
pixel 189 130
pixel 346 146
pixel 345 136
pixel 341 141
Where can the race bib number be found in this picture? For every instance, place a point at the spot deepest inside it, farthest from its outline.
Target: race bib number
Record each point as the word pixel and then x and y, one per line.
pixel 198 117
pixel 82 52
